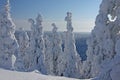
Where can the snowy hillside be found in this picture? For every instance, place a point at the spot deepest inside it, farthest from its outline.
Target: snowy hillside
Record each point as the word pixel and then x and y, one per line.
pixel 14 75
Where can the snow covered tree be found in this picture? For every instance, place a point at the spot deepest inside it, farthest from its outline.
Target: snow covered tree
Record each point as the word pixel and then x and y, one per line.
pixel 8 43
pixel 21 59
pixel 112 68
pixel 97 49
pixel 56 50
pixel 37 45
pixel 102 43
pixel 71 57
pixel 53 52
pixel 48 55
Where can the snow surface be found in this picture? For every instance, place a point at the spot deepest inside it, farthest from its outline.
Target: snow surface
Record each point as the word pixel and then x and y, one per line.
pixel 14 75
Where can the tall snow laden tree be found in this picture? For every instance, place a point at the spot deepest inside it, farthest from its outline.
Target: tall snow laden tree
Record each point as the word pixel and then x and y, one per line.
pixel 21 63
pixel 37 45
pixel 103 43
pixel 56 50
pixel 8 43
pixel 53 52
pixel 48 55
pixel 71 58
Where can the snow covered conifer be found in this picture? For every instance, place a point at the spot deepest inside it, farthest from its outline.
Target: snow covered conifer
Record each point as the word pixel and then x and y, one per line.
pixel 37 44
pixel 71 57
pixel 8 43
pixel 56 50
pixel 48 55
pixel 102 43
pixel 53 52
pixel 21 58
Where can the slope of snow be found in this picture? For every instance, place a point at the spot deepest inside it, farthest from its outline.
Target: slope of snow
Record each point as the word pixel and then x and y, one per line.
pixel 14 75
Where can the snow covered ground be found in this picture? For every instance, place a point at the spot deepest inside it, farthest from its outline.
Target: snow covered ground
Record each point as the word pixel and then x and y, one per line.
pixel 14 75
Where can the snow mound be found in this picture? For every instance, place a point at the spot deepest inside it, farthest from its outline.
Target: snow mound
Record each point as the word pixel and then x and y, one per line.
pixel 14 75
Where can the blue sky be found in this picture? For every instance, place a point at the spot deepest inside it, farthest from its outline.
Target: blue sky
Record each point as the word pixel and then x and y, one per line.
pixel 84 13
